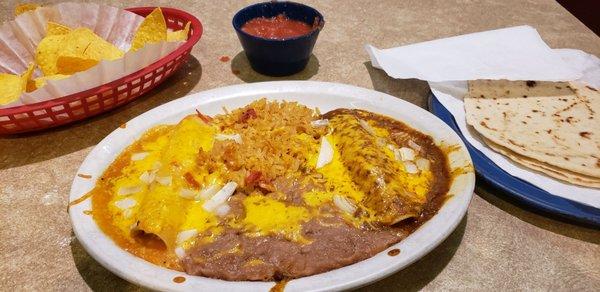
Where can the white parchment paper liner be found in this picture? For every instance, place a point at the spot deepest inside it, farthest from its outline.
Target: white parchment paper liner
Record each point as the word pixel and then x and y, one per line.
pixel 516 53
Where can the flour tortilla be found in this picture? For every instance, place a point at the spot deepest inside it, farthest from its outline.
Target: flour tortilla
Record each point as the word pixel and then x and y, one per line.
pixel 560 128
pixel 552 171
pixel 517 89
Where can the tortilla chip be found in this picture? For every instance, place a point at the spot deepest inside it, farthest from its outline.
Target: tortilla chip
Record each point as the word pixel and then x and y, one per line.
pixel 30 86
pixel 84 43
pixel 26 81
pixel 54 28
pixel 152 30
pixel 68 65
pixel 22 8
pixel 180 35
pixel 46 53
pixel 41 81
pixel 27 74
pixel 83 48
pixel 10 88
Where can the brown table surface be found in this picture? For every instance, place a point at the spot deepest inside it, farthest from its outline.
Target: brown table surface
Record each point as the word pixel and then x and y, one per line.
pixel 498 246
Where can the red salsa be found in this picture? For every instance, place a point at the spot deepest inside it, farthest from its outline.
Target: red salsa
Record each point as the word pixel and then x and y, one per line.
pixel 278 27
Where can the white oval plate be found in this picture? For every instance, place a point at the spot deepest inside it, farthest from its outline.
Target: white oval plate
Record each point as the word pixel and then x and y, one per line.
pixel 326 96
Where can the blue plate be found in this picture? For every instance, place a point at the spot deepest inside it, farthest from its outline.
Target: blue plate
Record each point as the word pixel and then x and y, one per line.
pixel 517 188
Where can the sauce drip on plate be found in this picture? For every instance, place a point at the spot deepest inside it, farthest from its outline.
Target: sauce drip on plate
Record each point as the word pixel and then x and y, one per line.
pixel 394 252
pixel 278 28
pixel 279 286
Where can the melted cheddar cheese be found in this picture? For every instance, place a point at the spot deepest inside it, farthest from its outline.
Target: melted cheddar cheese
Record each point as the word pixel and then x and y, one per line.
pixel 267 216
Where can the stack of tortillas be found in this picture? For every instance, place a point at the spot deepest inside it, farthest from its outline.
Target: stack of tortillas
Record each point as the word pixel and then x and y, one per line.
pixel 550 127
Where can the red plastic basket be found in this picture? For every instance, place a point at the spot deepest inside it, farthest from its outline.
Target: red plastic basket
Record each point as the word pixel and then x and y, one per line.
pixel 84 104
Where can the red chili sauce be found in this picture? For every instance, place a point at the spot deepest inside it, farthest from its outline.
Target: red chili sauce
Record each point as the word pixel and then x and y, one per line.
pixel 279 27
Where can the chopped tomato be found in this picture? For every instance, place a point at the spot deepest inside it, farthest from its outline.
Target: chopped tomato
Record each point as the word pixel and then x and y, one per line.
pixel 189 178
pixel 247 114
pixel 252 178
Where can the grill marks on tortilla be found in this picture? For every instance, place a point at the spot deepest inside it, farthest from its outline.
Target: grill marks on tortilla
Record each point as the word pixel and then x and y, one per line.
pixel 554 125
pixel 500 89
pixel 483 124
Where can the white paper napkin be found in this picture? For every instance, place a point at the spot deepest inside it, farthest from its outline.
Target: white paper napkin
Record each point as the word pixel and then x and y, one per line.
pixel 516 53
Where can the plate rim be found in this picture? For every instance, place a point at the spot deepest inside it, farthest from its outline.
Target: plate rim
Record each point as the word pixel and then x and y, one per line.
pixel 462 201
pixel 518 189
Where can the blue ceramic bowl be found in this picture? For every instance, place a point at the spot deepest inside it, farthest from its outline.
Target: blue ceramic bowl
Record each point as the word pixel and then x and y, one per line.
pixel 278 57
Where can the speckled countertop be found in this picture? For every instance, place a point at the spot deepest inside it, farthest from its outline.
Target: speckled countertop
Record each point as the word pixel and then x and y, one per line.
pixel 498 246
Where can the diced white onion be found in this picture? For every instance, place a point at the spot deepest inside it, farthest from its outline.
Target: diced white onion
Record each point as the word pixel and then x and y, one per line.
pixel 380 142
pixel 320 123
pixel 125 203
pixel 124 191
pixel 187 193
pixel 396 151
pixel 208 192
pixel 220 197
pixel 180 252
pixel 222 210
pixel 410 167
pixel 325 153
pixel 235 137
pixel 344 204
pixel 407 154
pixel 366 126
pixel 147 177
pixel 397 154
pixel 139 156
pixel 127 213
pixel 164 180
pixel 380 181
pixel 156 165
pixel 423 164
pixel 183 236
pixel 414 145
